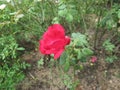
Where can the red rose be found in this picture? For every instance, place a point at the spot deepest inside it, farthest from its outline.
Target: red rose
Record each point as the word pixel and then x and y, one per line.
pixel 54 41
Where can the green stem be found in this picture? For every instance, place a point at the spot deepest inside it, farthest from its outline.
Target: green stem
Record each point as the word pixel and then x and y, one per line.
pixel 85 26
pixel 97 30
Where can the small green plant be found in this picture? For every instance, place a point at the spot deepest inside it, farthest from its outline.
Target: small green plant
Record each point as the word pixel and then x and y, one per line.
pixel 111 59
pixel 69 81
pixel 111 18
pixel 10 76
pixel 8 49
pixel 40 63
pixel 10 66
pixel 109 48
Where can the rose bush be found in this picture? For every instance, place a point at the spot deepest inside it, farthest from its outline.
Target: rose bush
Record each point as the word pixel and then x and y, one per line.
pixel 54 41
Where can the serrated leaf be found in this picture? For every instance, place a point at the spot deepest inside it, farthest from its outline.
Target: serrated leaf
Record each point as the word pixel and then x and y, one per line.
pixel 74 35
pixel 79 39
pixel 87 51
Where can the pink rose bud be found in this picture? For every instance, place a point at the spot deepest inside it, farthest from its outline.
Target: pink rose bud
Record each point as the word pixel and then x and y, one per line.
pixel 93 59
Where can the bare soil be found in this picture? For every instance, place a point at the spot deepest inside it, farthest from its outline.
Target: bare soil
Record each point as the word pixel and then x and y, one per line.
pixel 100 76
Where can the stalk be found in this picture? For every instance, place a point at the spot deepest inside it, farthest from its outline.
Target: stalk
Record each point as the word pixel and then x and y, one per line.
pixel 97 30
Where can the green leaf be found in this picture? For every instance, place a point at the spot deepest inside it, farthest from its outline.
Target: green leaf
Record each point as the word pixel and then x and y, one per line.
pixel 21 48
pixel 87 51
pixel 63 58
pixel 62 13
pixel 63 6
pixel 111 59
pixel 83 59
pixel 76 67
pixel 69 17
pixel 66 66
pixel 55 20
pixel 81 67
pixel 67 80
pixel 110 24
pixel 41 62
pixel 119 14
pixel 79 39
pixel 108 46
pixel 79 56
pixel 73 61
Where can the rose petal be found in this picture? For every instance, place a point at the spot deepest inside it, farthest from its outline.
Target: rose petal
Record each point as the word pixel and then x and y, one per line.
pixel 57 32
pixel 67 40
pixel 58 54
pixel 41 47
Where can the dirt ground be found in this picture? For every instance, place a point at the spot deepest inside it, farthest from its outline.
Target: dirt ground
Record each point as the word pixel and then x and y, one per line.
pixel 101 76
